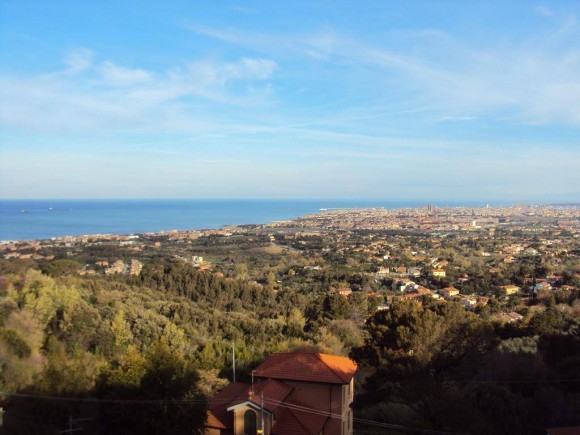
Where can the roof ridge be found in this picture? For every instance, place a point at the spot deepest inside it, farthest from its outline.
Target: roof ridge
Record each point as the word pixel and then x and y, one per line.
pixel 339 375
pixel 319 356
pixel 322 367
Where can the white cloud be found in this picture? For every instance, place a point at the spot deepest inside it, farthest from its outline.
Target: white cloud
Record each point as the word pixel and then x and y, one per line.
pixel 457 118
pixel 218 74
pixel 545 10
pixel 533 80
pixel 320 45
pixel 118 75
pixel 251 69
pixel 111 96
pixel 78 60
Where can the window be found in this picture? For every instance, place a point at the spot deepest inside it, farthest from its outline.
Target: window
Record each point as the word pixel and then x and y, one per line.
pixel 249 422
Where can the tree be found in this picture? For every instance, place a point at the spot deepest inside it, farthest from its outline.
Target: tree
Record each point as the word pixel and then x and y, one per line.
pixel 416 353
pixel 549 321
pixel 165 400
pixel 121 330
pixel 62 267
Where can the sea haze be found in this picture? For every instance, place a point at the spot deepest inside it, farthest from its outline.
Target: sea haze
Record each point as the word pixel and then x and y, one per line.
pixel 41 219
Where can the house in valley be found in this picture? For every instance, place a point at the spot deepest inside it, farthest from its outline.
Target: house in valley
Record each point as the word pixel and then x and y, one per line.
pixel 292 394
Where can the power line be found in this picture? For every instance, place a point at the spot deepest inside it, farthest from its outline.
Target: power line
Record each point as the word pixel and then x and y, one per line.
pixel 359 420
pixel 365 421
pixel 535 381
pixel 294 407
pixel 459 381
pixel 122 401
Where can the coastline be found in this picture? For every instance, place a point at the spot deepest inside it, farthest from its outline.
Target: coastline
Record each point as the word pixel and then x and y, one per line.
pixel 329 217
pixel 45 219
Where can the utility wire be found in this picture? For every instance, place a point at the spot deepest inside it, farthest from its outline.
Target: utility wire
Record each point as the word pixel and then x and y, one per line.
pixel 359 420
pixel 459 381
pixel 123 401
pixel 278 403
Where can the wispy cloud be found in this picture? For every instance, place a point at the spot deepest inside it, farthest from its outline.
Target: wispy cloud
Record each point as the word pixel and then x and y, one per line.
pixel 78 60
pixel 534 80
pixel 86 96
pixel 545 10
pixel 457 118
pixel 319 45
pixel 416 111
pixel 117 75
pixel 245 10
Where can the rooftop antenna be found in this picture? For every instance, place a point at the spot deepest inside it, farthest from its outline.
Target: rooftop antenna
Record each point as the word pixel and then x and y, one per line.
pixel 251 392
pixel 234 359
pixel 261 412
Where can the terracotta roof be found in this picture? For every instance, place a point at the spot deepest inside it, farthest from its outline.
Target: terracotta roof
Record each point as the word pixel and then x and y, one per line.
pixel 274 392
pixel 212 421
pixel 290 418
pixel 218 414
pixel 291 421
pixel 310 367
pixel 374 295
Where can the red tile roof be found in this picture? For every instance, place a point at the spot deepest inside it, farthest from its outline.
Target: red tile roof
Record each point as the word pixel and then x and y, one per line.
pixel 309 367
pixel 274 392
pixel 218 414
pixel 212 421
pixel 291 420
pixel 292 417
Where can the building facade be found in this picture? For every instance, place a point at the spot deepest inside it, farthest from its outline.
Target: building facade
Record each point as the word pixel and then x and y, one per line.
pixel 292 394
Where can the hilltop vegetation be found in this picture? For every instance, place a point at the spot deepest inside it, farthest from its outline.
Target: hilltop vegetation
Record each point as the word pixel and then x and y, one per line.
pixel 165 335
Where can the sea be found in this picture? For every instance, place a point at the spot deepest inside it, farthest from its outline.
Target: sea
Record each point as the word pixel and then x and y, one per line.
pixel 44 219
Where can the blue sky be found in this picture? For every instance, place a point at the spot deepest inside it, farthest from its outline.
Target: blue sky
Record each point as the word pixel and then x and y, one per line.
pixel 445 101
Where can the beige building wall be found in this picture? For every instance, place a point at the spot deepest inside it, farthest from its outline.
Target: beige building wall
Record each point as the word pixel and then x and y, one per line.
pixel 239 420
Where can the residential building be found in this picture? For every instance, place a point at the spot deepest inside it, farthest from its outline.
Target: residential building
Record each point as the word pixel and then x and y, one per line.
pixel 417 292
pixel 510 317
pixel 135 268
pixel 405 285
pixel 468 302
pixel 344 292
pixel 402 270
pixel 292 394
pixel 118 267
pixel 510 289
pixel 415 271
pixel 448 292
pixel 542 286
pixel 438 273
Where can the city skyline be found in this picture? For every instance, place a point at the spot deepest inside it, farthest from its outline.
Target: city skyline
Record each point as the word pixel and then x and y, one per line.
pixel 438 102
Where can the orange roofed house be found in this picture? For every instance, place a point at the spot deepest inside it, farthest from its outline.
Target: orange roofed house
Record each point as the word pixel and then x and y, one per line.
pixel 301 393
